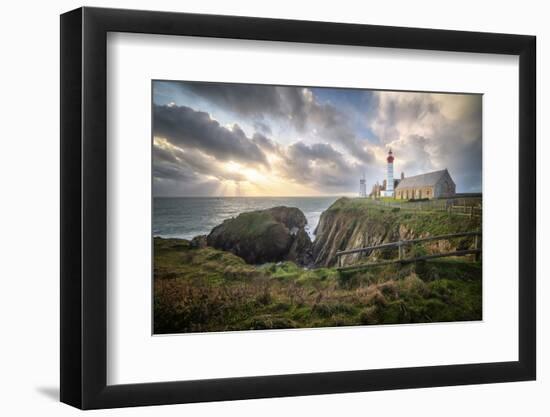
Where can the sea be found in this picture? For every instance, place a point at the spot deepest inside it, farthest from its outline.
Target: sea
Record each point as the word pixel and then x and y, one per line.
pixel 187 217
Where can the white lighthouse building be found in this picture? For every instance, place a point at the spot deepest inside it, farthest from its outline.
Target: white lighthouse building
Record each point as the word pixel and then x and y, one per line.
pixel 389 192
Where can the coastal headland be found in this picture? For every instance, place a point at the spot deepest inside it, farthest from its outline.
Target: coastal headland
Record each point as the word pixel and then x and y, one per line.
pixel 261 270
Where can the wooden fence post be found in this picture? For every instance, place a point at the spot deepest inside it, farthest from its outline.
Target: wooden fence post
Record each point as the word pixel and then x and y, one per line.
pixel 477 245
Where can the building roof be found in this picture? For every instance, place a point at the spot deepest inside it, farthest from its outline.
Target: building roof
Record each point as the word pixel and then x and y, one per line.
pixel 422 180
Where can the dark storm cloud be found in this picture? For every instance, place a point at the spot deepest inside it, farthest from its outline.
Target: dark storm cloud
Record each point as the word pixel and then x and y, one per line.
pixel 251 99
pixel 296 105
pixel 167 166
pixel 173 172
pixel 189 165
pixel 266 144
pixel 335 125
pixel 187 128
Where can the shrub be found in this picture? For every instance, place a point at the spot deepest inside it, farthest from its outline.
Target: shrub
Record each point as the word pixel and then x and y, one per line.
pixel 412 285
pixel 269 322
pixel 347 280
pixel 369 315
pixel 264 298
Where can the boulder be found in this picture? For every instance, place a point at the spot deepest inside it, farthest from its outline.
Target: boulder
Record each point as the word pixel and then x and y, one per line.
pixel 262 236
pixel 198 242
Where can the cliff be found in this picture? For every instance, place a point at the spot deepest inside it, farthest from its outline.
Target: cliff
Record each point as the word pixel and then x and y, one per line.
pixel 354 223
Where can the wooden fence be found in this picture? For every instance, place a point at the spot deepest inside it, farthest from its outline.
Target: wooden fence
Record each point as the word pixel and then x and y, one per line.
pixel 403 243
pixel 462 206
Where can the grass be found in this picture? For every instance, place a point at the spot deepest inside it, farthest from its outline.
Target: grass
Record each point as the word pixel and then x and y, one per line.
pixel 431 223
pixel 249 224
pixel 174 258
pixel 198 290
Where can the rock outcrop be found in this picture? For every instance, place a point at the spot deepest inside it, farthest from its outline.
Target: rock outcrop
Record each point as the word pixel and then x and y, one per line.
pixel 355 223
pixel 271 235
pixel 198 242
pixel 300 251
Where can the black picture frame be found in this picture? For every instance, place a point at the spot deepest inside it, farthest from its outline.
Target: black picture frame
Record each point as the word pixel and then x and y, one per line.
pixel 84 207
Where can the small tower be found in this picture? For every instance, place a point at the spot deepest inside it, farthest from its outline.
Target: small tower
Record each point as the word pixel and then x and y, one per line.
pixel 363 187
pixel 389 183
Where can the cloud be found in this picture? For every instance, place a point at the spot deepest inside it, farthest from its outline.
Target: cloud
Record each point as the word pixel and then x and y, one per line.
pixel 167 187
pixel 251 100
pixel 266 144
pixel 319 165
pixel 323 140
pixel 430 131
pixel 171 162
pixel 187 128
pixel 296 106
pixel 262 127
pixel 335 125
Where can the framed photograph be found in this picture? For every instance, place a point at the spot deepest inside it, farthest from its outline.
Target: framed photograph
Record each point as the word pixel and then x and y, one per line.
pixel 256 208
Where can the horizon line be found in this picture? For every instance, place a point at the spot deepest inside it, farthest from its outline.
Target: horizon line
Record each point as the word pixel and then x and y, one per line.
pixel 250 196
pixel 281 196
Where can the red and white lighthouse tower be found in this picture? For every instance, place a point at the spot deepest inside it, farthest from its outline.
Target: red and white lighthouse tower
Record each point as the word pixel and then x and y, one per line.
pixel 389 183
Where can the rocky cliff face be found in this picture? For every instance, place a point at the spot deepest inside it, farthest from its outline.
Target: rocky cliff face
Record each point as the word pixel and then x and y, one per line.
pixel 354 223
pixel 262 236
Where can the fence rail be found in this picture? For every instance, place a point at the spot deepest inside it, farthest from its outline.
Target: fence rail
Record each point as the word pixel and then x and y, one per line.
pixel 469 206
pixel 402 243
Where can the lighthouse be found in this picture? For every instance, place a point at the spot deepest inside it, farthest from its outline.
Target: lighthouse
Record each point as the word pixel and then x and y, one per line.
pixel 389 183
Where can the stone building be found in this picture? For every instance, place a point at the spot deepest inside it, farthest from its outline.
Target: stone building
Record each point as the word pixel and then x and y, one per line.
pixel 437 184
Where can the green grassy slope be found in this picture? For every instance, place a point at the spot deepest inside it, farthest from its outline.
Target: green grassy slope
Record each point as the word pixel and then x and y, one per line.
pixel 197 290
pixel 427 222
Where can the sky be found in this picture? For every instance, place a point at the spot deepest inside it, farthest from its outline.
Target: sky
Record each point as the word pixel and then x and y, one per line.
pixel 222 139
